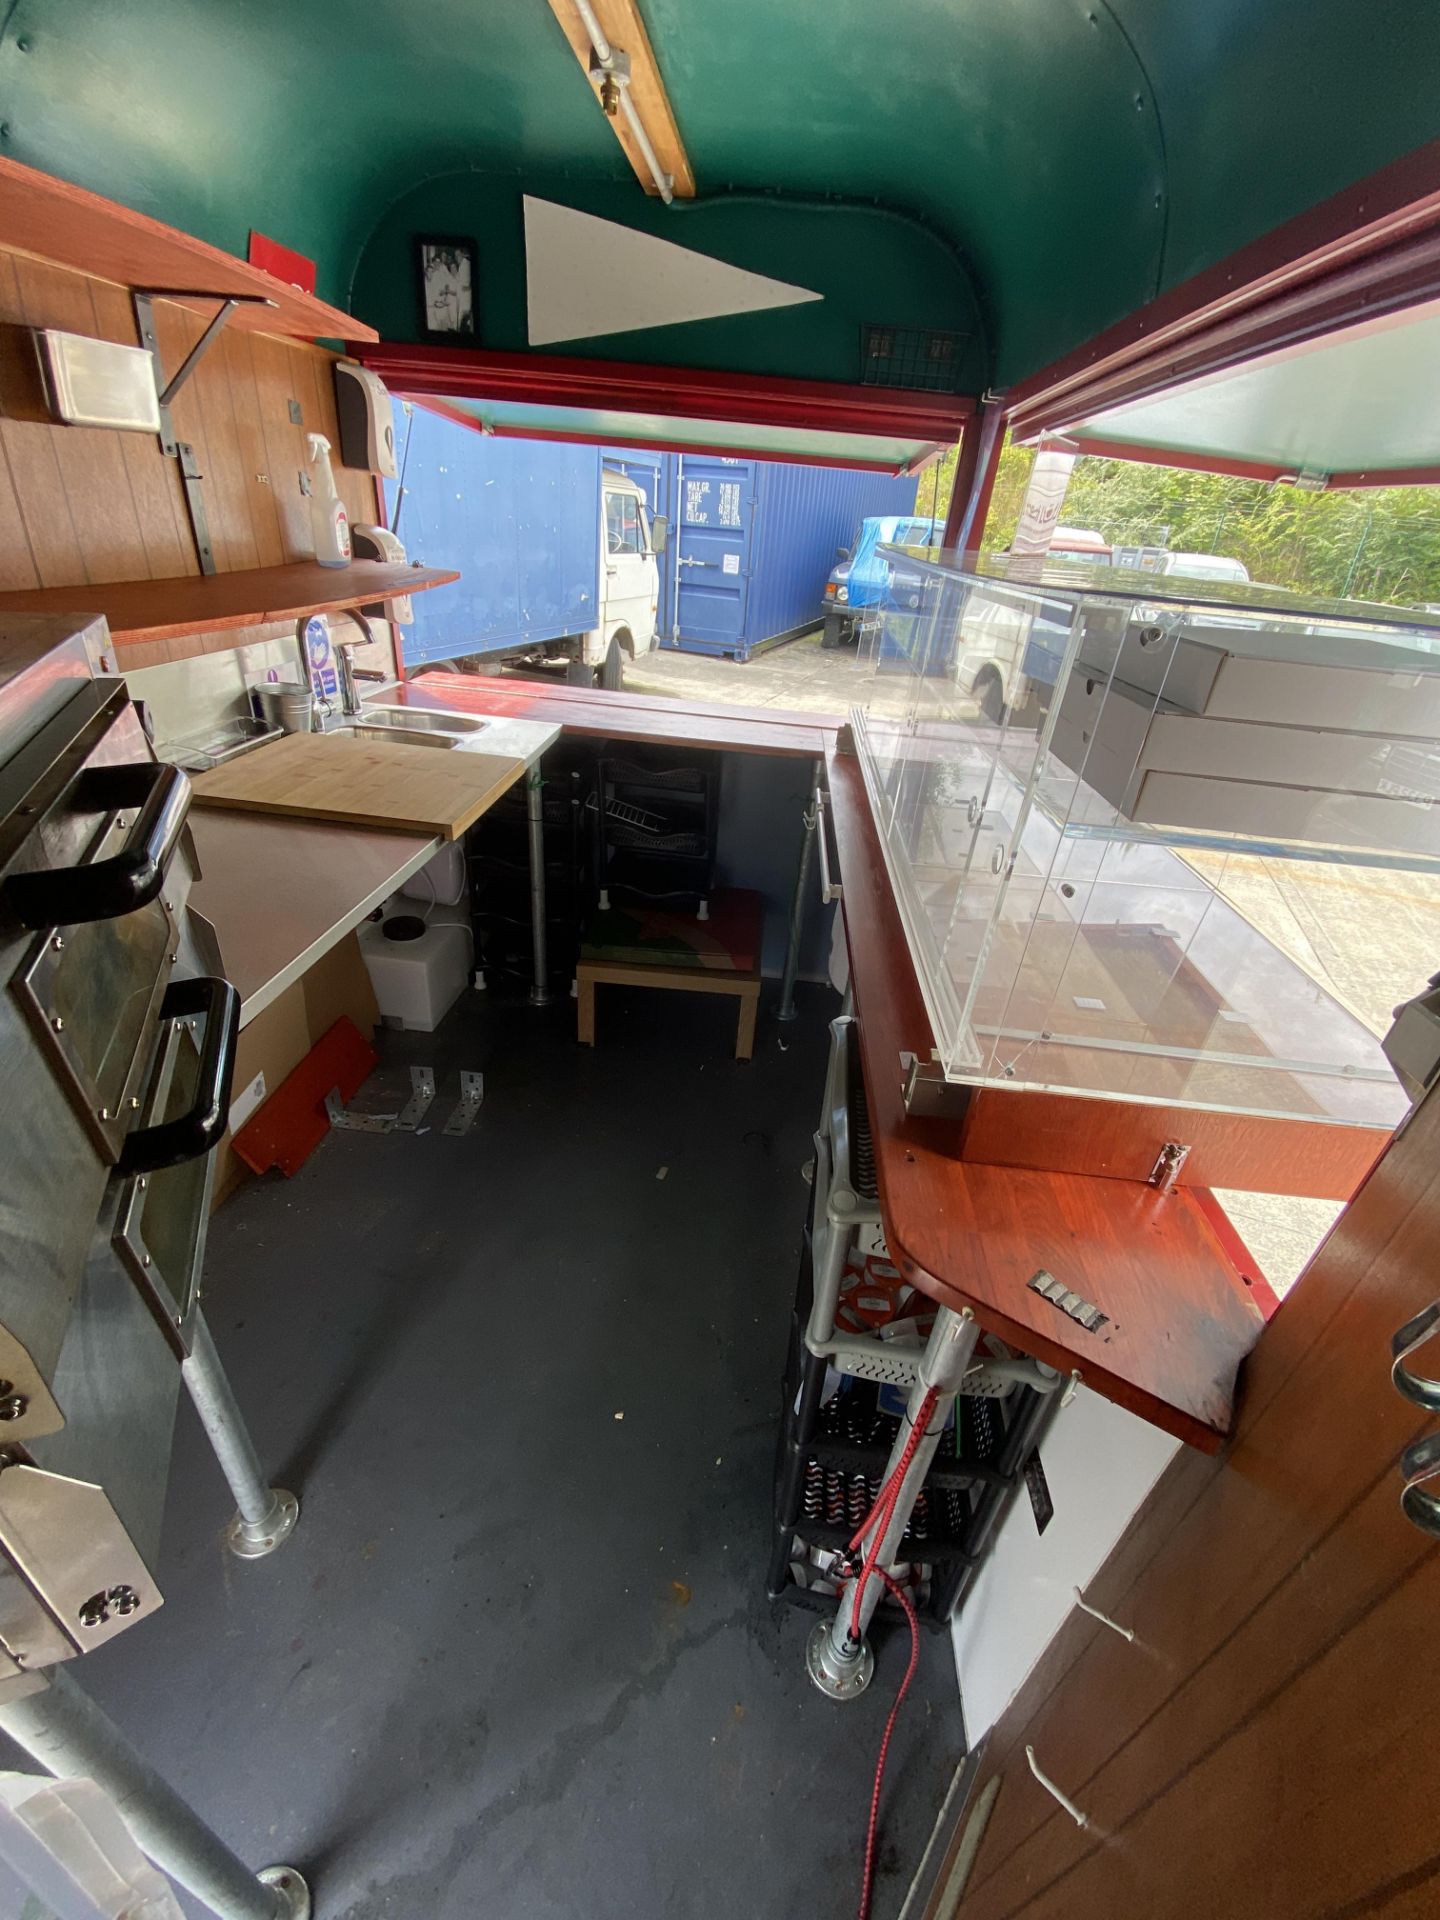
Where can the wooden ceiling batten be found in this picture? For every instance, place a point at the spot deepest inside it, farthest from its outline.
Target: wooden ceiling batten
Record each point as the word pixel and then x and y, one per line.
pixel 626 31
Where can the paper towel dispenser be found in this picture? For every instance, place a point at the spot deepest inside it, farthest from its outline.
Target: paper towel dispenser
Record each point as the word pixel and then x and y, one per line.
pixel 367 420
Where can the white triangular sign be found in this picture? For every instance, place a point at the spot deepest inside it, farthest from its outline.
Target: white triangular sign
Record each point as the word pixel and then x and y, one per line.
pixel 587 276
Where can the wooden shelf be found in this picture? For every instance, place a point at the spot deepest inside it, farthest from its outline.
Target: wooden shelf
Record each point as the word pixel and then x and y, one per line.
pixel 71 227
pixel 972 1234
pixel 142 611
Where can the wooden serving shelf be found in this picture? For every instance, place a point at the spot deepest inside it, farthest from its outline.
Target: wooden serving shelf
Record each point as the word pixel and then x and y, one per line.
pixel 71 227
pixel 141 611
pixel 1180 1316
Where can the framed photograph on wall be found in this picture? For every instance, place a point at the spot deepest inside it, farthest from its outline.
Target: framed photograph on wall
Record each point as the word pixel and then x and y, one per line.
pixel 446 268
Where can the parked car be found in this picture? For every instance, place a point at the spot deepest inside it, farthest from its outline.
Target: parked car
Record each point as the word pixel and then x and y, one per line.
pixel 859 586
pixel 1009 655
pixel 1204 566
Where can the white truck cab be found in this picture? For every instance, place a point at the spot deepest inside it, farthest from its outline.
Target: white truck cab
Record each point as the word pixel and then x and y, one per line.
pixel 629 585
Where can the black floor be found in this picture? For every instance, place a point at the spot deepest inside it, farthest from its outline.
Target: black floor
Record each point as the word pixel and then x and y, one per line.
pixel 518 1662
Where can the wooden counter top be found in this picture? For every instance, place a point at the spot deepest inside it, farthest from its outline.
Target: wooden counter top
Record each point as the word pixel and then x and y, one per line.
pixel 1180 1318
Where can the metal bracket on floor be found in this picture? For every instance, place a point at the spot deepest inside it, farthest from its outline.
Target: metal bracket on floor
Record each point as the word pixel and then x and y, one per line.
pixel 472 1092
pixel 356 1122
pixel 422 1092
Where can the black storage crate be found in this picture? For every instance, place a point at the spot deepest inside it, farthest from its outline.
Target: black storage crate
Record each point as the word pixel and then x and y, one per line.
pixel 831 1459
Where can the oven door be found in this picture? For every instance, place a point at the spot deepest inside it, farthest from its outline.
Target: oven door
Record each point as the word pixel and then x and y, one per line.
pixel 97 884
pixel 168 1165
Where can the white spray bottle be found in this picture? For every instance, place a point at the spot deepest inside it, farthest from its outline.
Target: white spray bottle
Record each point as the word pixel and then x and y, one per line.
pixel 329 522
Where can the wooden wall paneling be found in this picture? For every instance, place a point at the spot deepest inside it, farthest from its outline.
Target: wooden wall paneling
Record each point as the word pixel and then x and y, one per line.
pixel 1331 1592
pixel 1290 1539
pixel 89 460
pixel 91 463
pixel 1267 1824
pixel 1113 1591
pixel 17 563
pixel 275 367
pixel 154 479
pixel 230 480
pixel 202 414
pixel 30 451
pixel 1411 1896
pixel 1286 1477
pixel 234 357
pixel 1380 1222
pixel 85 505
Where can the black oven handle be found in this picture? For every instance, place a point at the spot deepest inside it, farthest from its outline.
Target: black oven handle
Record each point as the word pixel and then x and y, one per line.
pixel 170 1142
pixel 131 878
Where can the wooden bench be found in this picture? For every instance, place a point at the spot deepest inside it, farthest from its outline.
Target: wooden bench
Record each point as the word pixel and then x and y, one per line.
pixel 679 952
pixel 592 973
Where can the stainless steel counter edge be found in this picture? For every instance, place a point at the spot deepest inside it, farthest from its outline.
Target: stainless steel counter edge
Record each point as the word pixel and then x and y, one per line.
pixel 287 976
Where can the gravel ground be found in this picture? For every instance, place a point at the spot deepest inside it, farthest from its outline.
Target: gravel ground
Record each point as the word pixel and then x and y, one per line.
pixel 1371 937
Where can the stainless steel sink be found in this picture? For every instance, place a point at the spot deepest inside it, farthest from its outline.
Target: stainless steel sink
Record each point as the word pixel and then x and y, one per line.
pixel 412 736
pixel 413 720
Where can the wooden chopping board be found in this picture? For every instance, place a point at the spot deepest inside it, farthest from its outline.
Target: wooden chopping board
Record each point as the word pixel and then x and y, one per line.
pixel 363 780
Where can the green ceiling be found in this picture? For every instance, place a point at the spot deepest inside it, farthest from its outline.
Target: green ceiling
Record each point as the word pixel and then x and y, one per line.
pixel 911 278
pixel 1078 153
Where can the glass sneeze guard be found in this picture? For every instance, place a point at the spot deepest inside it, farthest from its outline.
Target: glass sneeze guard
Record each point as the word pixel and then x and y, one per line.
pixel 1099 795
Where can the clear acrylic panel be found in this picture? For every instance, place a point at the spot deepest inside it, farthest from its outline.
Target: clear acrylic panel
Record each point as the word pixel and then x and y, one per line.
pixel 1084 783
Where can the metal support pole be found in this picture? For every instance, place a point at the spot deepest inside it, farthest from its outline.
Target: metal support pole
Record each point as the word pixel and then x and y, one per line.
pixel 981 444
pixel 266 1515
pixel 840 1662
pixel 535 819
pixel 797 901
pixel 62 1729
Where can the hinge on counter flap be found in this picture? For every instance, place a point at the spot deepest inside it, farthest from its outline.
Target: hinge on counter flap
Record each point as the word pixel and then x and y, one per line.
pixel 1168 1162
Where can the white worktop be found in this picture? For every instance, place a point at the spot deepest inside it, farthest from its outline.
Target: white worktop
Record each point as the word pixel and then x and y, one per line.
pixel 280 892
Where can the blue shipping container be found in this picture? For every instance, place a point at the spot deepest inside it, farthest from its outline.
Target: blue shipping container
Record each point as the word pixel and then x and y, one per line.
pixel 751 542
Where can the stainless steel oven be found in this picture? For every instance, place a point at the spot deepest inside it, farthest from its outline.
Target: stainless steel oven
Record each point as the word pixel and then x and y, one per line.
pixel 117 1040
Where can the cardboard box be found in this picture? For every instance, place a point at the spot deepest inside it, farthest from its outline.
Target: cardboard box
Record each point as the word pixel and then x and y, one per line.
pixel 280 1036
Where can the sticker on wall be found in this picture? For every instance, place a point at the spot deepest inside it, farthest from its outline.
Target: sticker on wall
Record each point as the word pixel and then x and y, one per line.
pixel 320 657
pixel 586 276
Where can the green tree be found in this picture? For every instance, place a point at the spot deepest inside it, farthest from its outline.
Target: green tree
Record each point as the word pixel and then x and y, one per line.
pixel 1376 543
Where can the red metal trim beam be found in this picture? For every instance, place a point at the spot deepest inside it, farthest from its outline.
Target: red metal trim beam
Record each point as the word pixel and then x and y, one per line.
pixel 1369 251
pixel 1383 477
pixel 1177 457
pixel 685 393
pixel 979 461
